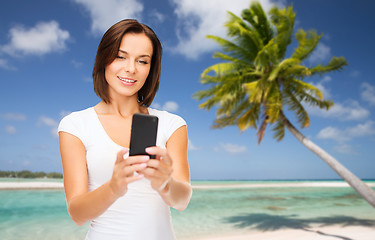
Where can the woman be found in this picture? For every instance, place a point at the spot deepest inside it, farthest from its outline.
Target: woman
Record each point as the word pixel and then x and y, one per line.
pixel 124 197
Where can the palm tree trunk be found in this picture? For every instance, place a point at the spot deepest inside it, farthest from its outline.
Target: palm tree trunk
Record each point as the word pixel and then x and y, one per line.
pixel 363 189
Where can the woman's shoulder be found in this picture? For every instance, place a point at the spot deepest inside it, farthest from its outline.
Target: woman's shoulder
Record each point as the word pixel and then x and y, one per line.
pixel 80 114
pixel 77 123
pixel 80 117
pixel 164 115
pixel 167 120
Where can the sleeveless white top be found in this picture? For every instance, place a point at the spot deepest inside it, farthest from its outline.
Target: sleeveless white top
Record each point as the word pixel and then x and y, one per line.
pixel 141 214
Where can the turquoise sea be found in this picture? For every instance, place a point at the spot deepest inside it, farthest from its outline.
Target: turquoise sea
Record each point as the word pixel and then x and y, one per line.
pixel 41 214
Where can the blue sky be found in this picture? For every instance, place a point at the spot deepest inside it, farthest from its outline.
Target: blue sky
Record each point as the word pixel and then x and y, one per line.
pixel 47 50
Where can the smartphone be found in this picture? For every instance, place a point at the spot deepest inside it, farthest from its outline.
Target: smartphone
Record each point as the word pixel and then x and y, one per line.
pixel 143 134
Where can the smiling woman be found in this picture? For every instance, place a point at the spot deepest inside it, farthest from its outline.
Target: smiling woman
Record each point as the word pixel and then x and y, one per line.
pixel 123 46
pixel 131 66
pixel 123 195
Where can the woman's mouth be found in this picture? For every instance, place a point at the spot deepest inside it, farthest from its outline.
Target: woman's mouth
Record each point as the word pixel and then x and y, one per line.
pixel 127 81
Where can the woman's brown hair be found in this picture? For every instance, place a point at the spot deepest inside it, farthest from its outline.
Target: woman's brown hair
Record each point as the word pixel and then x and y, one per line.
pixel 108 50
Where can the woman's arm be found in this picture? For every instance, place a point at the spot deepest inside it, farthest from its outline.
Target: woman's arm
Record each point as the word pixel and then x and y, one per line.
pixel 83 205
pixel 170 174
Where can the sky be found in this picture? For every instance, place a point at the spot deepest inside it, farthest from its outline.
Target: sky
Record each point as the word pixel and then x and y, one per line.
pixel 47 51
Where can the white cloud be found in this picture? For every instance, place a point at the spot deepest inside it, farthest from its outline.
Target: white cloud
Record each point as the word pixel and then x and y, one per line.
pixel 13 116
pixel 350 110
pixel 169 106
pixel 321 86
pixel 43 38
pixel 46 121
pixel 321 53
pixel 156 105
pixel 338 135
pixel 231 148
pixel 196 19
pixel 355 73
pixel 87 79
pixel 365 129
pixel 106 13
pixel 368 93
pixel 332 133
pixel 191 146
pixel 5 65
pixel 157 16
pixel 49 122
pixel 344 148
pixel 76 63
pixel 10 130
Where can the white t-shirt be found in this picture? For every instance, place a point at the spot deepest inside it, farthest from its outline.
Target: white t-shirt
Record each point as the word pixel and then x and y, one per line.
pixel 141 213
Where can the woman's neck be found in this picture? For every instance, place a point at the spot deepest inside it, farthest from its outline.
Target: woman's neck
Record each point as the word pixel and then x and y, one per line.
pixel 123 109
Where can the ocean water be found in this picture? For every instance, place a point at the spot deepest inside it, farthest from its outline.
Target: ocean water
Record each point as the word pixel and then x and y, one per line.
pixel 41 214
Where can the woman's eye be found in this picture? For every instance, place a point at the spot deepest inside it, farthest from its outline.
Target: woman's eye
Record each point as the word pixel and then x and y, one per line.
pixel 120 57
pixel 142 62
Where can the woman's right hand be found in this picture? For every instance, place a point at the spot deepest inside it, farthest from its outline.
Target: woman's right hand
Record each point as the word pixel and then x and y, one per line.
pixel 124 169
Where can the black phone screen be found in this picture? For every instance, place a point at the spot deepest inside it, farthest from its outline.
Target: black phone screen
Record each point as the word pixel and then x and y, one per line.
pixel 143 133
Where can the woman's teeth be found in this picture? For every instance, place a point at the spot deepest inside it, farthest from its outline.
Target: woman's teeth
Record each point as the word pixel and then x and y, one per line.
pixel 127 80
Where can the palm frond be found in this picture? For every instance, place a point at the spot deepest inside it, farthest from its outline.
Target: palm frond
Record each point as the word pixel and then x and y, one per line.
pixel 267 55
pixel 307 93
pixel 307 42
pixel 272 102
pixel 279 130
pixel 282 66
pixel 219 69
pixel 231 48
pixel 262 130
pixel 258 19
pixel 295 106
pixel 227 57
pixel 336 63
pixel 249 118
pixel 254 92
pixel 283 19
pixel 307 88
pixel 295 71
pixel 244 116
pixel 243 35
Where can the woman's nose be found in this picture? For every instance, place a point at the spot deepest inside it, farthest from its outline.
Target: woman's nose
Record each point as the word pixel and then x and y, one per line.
pixel 130 67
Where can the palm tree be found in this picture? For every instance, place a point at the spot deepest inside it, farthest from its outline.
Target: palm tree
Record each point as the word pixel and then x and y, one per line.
pixel 256 85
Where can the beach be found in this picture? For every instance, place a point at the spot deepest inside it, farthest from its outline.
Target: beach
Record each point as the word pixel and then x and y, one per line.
pixel 317 233
pixel 219 210
pixel 10 185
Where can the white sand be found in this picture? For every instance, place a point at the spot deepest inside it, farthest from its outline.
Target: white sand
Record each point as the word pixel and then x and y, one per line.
pixel 278 184
pixel 60 185
pixel 31 185
pixel 317 233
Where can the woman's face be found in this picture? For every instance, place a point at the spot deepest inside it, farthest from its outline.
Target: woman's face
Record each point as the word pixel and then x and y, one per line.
pixel 128 72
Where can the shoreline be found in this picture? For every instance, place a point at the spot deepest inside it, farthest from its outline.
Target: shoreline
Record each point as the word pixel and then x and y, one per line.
pixel 30 185
pixel 313 233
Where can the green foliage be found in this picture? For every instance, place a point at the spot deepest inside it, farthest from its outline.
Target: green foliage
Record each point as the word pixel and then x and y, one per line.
pixel 256 83
pixel 29 174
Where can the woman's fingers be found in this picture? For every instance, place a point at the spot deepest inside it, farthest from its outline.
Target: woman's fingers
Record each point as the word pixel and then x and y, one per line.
pixel 161 154
pixel 159 170
pixel 129 171
pixel 121 154
pixel 136 160
pixel 160 166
